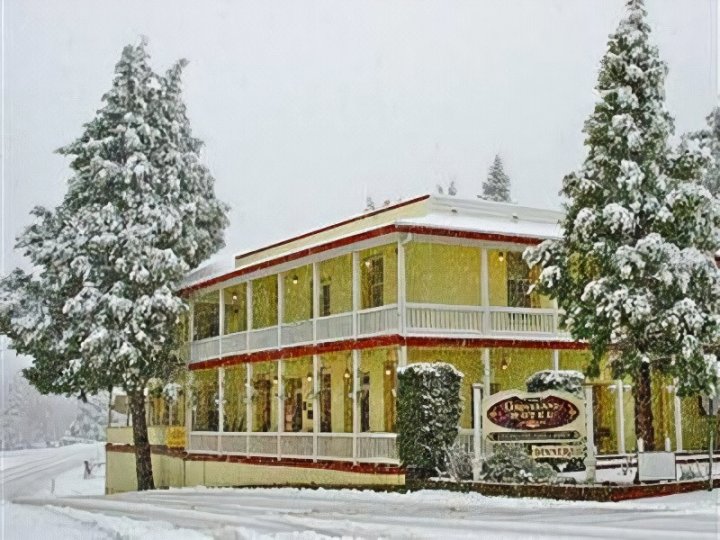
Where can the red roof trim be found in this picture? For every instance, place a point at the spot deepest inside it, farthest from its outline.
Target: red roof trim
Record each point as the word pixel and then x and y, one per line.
pixel 335 225
pixel 470 235
pixel 383 341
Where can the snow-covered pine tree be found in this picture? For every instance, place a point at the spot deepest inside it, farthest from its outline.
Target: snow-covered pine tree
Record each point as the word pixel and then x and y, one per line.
pixel 634 271
pixel 101 309
pixel 708 140
pixel 497 185
pixel 91 419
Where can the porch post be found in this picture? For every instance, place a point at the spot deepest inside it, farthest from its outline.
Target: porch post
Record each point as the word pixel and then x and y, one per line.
pixel 188 412
pixel 556 360
pixel 402 356
pixel 620 416
pixel 478 450
pixel 315 404
pixel 356 415
pixel 280 306
pixel 249 391
pixel 484 292
pixel 677 410
pixel 316 286
pixel 486 371
pixel 590 459
pixel 355 290
pixel 221 321
pixel 191 323
pixel 280 387
pixel 221 407
pixel 401 292
pixel 248 313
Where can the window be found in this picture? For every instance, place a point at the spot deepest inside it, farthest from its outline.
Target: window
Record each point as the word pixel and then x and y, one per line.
pixel 373 286
pixel 325 299
pixel 518 282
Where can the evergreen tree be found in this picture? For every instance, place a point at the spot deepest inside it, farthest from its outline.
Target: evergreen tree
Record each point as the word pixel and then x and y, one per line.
pixel 101 308
pixel 708 142
pixel 497 185
pixel 634 271
pixel 91 419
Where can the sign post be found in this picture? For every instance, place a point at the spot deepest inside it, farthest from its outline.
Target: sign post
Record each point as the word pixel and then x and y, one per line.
pixel 478 447
pixel 590 460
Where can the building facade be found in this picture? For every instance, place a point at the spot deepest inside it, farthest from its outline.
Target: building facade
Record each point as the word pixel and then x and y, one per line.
pixel 293 352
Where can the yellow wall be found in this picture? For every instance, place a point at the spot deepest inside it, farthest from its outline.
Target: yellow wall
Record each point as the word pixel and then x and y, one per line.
pixel 265 302
pixel 442 274
pixel 338 273
pixel 171 471
pixel 300 368
pixel 297 296
pixel 235 399
pixel 389 255
pixel 521 363
pixel 374 363
pixel 264 373
pixel 337 364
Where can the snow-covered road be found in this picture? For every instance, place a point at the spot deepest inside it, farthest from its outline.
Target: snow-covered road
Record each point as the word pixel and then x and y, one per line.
pixel 26 472
pixel 226 513
pixel 204 513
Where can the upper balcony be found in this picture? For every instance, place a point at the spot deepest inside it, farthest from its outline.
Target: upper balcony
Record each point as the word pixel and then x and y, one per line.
pixel 410 287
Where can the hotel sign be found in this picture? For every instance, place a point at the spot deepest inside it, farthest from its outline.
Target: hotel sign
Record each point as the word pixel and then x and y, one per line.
pixel 516 416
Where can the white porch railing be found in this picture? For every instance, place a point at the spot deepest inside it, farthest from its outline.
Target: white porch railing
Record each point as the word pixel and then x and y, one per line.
pixel 335 446
pixel 335 327
pixel 445 318
pixel 377 447
pixel 439 319
pixel 508 320
pixel 420 319
pixel 465 440
pixel 264 338
pixel 296 332
pixel 204 349
pixel 377 320
pixel 234 343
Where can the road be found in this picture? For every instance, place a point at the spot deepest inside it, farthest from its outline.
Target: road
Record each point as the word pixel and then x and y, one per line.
pixel 221 513
pixel 27 472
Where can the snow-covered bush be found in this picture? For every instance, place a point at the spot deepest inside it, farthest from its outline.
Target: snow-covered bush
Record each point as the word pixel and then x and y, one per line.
pixel 428 411
pixel 91 419
pixel 563 380
pixel 510 463
pixel 458 463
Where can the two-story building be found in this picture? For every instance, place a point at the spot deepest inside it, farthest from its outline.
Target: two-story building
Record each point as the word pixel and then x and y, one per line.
pixel 293 350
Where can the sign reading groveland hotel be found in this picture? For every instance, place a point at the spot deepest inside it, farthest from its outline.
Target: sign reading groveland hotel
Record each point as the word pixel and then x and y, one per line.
pixel 553 423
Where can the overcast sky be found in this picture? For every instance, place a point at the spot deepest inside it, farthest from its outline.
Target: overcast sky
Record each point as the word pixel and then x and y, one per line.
pixel 306 107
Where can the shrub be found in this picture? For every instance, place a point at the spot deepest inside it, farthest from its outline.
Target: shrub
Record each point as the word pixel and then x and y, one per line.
pixel 458 463
pixel 563 380
pixel 428 411
pixel 510 463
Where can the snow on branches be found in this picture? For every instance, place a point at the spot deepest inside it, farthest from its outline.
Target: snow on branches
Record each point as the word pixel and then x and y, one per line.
pixel 635 271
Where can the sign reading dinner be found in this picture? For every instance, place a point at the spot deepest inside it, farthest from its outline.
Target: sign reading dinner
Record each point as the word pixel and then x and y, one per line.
pixel 517 416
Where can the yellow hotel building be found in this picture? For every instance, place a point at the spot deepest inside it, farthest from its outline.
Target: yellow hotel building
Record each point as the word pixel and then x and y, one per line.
pixel 293 351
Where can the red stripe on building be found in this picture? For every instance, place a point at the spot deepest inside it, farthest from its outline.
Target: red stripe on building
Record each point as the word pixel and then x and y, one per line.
pixel 469 235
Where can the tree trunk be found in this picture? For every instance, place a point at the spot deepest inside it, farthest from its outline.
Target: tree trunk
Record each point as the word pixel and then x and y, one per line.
pixel 643 407
pixel 143 461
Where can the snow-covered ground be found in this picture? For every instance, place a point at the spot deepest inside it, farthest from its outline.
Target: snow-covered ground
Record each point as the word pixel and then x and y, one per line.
pixel 77 510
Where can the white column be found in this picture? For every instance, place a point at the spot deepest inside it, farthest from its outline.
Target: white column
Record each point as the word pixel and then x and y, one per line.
pixel 356 413
pixel 556 316
pixel 556 360
pixel 315 404
pixel 589 428
pixel 191 331
pixel 402 356
pixel 620 416
pixel 188 412
pixel 221 407
pixel 677 410
pixel 221 322
pixel 280 306
pixel 486 372
pixel 401 292
pixel 477 391
pixel 249 391
pixel 280 388
pixel 248 312
pixel 355 290
pixel 484 291
pixel 316 287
